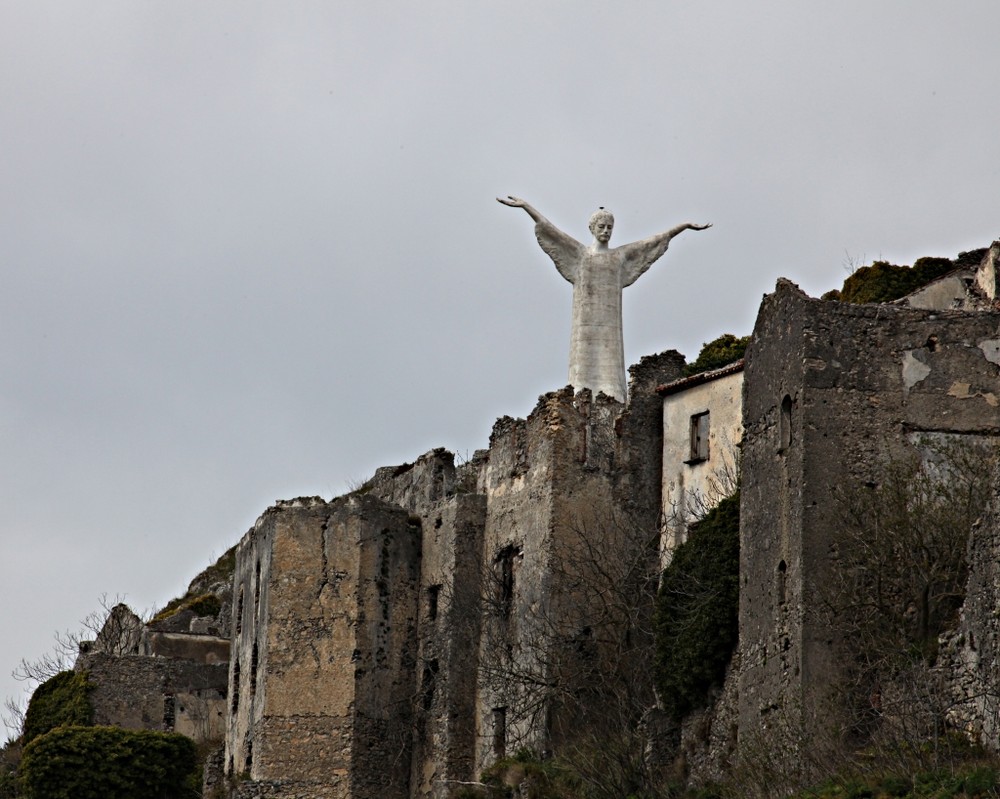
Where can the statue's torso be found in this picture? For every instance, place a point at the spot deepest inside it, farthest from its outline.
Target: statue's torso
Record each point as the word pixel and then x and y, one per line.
pixel 597 357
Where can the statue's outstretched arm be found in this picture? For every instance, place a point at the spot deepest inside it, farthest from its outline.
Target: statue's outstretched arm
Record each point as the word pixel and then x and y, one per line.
pixel 517 202
pixel 563 249
pixel 641 255
pixel 680 229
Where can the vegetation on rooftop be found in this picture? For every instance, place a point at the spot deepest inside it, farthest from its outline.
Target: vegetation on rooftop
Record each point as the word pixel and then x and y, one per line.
pixel 202 596
pixel 715 354
pixel 885 282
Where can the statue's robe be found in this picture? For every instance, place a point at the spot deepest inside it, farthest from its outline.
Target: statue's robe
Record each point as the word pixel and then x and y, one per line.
pixel 596 351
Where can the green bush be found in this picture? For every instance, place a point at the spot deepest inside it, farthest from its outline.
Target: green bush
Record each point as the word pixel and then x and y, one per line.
pixel 884 282
pixel 697 611
pixel 981 781
pixel 549 779
pixel 717 353
pixel 59 701
pixel 972 780
pixel 10 757
pixel 109 763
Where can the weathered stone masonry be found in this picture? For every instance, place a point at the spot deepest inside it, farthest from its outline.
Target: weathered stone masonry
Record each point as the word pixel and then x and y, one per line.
pixel 374 636
pixel 322 672
pixel 834 392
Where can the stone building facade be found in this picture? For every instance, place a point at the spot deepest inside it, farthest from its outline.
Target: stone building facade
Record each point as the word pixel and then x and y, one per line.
pixel 702 435
pixel 834 393
pixel 396 641
pixel 158 675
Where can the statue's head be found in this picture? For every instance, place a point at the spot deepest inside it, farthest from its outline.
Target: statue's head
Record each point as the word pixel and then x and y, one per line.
pixel 602 222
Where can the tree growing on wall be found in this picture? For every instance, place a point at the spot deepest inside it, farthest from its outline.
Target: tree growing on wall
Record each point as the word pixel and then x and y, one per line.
pixel 54 691
pixel 576 659
pixel 897 583
pixel 697 611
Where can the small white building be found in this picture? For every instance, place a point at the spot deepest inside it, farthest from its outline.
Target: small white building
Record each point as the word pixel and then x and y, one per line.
pixel 702 432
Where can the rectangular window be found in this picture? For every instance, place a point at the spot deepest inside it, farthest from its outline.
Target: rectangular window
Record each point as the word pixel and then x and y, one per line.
pixel 427 681
pixel 433 594
pixel 699 438
pixel 499 731
pixel 507 563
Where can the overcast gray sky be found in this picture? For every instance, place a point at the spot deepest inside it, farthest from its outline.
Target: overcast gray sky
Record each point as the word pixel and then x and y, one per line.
pixel 251 251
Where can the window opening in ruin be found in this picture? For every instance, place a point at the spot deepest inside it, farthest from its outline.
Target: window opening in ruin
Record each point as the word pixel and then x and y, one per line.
pixel 507 566
pixel 236 685
pixel 239 613
pixel 253 670
pixel 785 425
pixel 782 569
pixel 169 712
pixel 433 595
pixel 256 593
pixel 427 684
pixel 499 731
pixel 699 437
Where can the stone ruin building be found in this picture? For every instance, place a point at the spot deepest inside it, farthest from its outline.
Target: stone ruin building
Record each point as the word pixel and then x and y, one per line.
pixel 390 642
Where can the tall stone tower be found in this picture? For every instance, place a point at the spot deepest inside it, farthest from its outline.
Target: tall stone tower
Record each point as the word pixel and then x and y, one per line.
pixel 324 646
pixel 833 393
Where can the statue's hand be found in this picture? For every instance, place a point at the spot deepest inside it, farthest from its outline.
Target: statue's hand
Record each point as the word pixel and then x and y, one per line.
pixel 699 227
pixel 513 202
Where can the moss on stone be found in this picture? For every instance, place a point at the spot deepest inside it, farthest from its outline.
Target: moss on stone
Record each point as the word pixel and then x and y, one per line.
pixel 202 595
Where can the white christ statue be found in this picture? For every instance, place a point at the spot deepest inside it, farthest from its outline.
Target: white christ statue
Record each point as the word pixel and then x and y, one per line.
pixel 598 274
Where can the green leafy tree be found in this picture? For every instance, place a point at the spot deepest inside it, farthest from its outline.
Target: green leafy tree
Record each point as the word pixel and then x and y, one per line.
pixel 697 610
pixel 109 763
pixel 62 700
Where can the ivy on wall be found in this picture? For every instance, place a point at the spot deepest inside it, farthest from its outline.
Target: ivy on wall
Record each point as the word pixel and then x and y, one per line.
pixel 697 611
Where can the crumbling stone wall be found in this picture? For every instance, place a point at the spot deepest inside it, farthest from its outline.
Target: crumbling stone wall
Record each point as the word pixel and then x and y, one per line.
pixel 968 654
pixel 324 649
pixel 452 520
pixel 540 473
pixel 491 605
pixel 504 599
pixel 832 393
pixel 151 693
pixel 639 477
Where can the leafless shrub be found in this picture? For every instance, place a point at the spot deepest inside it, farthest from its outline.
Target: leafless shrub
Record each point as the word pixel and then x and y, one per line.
pixel 112 628
pixel 898 582
pixel 570 661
